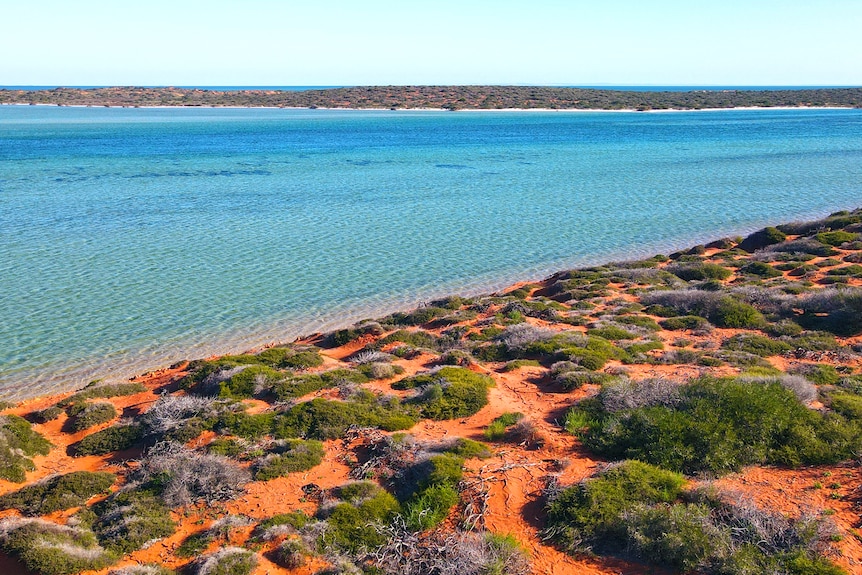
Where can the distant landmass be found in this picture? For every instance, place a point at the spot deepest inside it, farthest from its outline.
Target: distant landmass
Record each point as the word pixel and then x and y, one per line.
pixel 441 97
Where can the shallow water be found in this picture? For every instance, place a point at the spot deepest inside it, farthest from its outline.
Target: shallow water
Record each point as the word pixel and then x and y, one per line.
pixel 132 238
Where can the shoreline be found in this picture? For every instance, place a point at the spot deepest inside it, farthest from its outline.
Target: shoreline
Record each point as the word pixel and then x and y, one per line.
pixel 228 343
pixel 467 110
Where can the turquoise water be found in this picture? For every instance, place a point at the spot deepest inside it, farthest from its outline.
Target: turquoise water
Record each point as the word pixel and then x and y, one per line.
pixel 132 238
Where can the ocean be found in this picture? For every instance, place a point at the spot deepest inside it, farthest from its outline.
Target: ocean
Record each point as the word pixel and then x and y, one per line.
pixel 133 238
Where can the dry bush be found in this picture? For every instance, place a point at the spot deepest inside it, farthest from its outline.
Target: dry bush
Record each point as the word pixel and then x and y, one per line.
pixel 765 299
pixel 189 476
pixel 624 394
pixel 803 389
pixel 171 411
pixel 409 553
pixel 518 337
pixel 371 356
pixel 772 532
pixel 526 434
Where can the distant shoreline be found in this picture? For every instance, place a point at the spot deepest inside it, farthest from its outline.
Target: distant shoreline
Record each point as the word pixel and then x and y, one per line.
pixel 452 98
pixel 465 110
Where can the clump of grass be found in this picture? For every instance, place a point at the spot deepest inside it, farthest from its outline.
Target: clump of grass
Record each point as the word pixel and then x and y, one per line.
pixel 297 386
pixel 87 415
pixel 98 390
pixel 322 419
pixel 836 238
pixel 496 430
pixel 685 322
pixel 18 443
pixel 449 393
pixel 698 271
pixel 114 438
pixel 760 269
pixel 756 344
pixel 355 523
pixel 58 492
pixel 294 455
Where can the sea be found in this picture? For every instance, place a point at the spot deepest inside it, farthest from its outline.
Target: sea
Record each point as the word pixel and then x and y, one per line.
pixel 134 238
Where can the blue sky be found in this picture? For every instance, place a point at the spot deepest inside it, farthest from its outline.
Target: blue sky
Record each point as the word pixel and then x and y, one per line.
pixel 334 42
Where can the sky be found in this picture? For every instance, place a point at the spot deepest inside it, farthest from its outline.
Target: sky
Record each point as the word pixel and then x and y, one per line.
pixel 389 42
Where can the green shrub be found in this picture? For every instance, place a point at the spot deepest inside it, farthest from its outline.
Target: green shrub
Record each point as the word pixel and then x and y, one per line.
pixel 322 419
pixel 761 269
pixel 451 393
pixel 589 514
pixel 678 535
pixel 131 518
pixel 516 364
pixel 496 430
pixel 51 549
pixel 847 404
pixel 719 308
pixel 226 561
pixel 18 443
pixel 352 527
pixel 418 338
pixel 684 322
pixel 249 381
pixel 302 360
pixel 300 385
pixel 469 449
pixel 641 511
pixel 195 544
pixel 762 238
pixel 47 414
pixel 699 271
pixel 819 373
pixel 115 438
pixel 225 447
pixel 248 426
pixel 87 415
pixel 784 327
pixel 733 313
pixel 755 344
pixel 380 370
pixel 836 310
pixel 719 426
pixel 814 341
pixel 430 507
pixel 836 238
pixel 59 492
pixel 295 519
pixel 298 455
pixel 640 321
pixel 290 554
pixel 95 390
pixel 612 333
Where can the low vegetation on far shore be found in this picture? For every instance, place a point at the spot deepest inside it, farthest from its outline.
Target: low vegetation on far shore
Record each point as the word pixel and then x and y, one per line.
pixel 441 97
pixel 697 412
